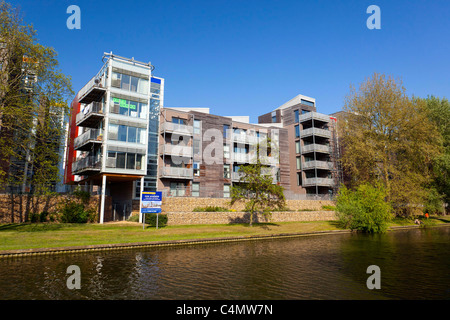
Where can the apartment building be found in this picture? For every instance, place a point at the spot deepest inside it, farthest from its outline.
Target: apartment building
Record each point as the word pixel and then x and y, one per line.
pixel 313 147
pixel 113 132
pixel 122 140
pixel 200 153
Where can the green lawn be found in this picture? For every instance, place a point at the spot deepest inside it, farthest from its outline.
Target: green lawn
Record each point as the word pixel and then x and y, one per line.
pixel 53 235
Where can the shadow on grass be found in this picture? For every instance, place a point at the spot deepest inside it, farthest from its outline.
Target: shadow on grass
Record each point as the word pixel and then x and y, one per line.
pixel 31 227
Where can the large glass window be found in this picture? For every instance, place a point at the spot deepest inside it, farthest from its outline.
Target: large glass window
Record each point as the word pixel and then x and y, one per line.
pixel 197 126
pixel 226 190
pixel 297 131
pixel 124 160
pixel 195 189
pixel 308 103
pixel 226 128
pixel 126 134
pixel 129 83
pixel 226 171
pixel 128 108
pixel 296 115
pixel 297 146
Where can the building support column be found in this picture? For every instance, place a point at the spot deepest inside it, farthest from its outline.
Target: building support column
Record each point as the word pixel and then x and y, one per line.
pixel 140 200
pixel 102 203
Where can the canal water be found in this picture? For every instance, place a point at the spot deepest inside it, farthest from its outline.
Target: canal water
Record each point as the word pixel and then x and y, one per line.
pixel 414 264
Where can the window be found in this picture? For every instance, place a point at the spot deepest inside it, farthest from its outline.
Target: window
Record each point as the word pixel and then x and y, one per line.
pixel 297 131
pixel 299 178
pixel 195 189
pixel 129 83
pixel 299 163
pixel 126 134
pixel 196 147
pixel 123 160
pixel 296 116
pixel 308 103
pixel 226 151
pixel 297 146
pixel 226 171
pixel 196 169
pixel 128 108
pixel 120 160
pixel 305 111
pixel 197 127
pixel 226 127
pixel 274 119
pixel 226 190
pixel 178 120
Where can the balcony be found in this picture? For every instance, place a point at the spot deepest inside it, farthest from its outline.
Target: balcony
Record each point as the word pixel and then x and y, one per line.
pixel 176 150
pixel 315 132
pixel 244 138
pixel 176 173
pixel 91 115
pixel 236 176
pixel 88 139
pixel 87 165
pixel 315 148
pixel 270 161
pixel 314 116
pixel 177 128
pixel 92 91
pixel 327 182
pixel 325 165
pixel 241 157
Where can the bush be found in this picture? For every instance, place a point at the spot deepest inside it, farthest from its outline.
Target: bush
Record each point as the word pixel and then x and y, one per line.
pixel 434 203
pixel 150 219
pixel 364 209
pixel 329 208
pixel 74 212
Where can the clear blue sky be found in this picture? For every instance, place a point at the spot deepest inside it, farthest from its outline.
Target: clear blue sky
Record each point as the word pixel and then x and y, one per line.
pixel 248 57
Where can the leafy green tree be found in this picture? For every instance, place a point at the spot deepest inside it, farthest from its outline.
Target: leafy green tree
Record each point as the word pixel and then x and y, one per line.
pixel 439 114
pixel 33 102
pixel 257 188
pixel 388 137
pixel 364 209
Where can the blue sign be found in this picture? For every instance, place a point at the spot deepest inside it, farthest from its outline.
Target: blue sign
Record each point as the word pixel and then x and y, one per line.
pixel 151 202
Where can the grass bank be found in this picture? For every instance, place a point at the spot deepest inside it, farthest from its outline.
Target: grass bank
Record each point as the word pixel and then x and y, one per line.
pixel 57 235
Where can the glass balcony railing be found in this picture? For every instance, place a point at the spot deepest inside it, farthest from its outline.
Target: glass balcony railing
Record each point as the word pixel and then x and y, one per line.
pixel 314 116
pixel 177 128
pixel 91 115
pixel 93 90
pixel 314 147
pixel 85 140
pixel 173 172
pixel 176 150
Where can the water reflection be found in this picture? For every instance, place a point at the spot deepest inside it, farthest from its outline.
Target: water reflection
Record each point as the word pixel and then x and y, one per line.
pixel 414 265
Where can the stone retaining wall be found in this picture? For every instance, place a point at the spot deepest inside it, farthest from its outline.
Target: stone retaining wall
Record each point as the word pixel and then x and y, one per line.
pixel 187 204
pixel 185 218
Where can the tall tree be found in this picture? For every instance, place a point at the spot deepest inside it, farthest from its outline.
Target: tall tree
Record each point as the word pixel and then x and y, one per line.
pixel 387 137
pixel 439 113
pixel 257 188
pixel 33 100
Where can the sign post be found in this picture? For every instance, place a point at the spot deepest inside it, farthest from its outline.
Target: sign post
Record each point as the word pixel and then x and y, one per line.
pixel 151 203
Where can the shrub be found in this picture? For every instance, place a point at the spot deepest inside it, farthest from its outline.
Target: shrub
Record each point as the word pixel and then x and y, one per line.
pixel 150 219
pixel 73 212
pixel 434 203
pixel 364 209
pixel 329 208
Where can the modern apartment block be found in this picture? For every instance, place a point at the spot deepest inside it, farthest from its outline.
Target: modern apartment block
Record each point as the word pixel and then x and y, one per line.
pixel 122 140
pixel 313 146
pixel 113 132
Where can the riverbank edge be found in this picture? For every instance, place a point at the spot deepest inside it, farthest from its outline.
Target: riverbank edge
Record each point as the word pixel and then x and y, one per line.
pixel 169 243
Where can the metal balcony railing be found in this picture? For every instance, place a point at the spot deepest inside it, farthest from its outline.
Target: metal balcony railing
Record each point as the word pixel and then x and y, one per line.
pixel 91 114
pixel 314 147
pixel 314 116
pixel 318 182
pixel 173 172
pixel 316 164
pixel 89 163
pixel 93 90
pixel 315 131
pixel 83 141
pixel 244 138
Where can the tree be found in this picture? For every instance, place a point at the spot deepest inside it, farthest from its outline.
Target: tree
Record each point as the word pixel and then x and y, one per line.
pixel 33 102
pixel 439 114
pixel 364 209
pixel 387 137
pixel 257 188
